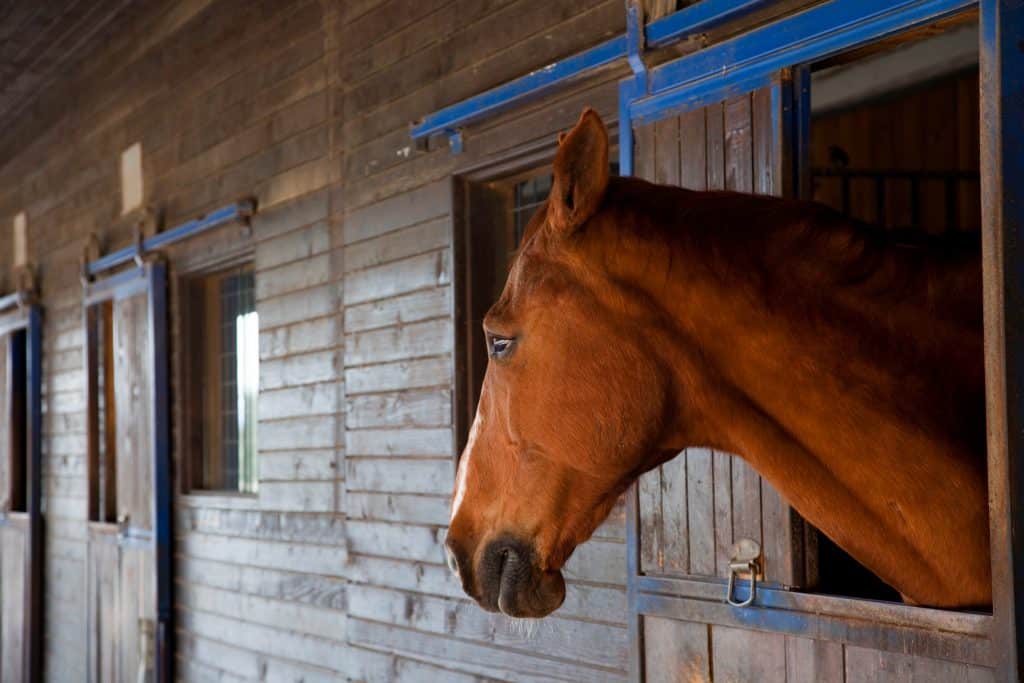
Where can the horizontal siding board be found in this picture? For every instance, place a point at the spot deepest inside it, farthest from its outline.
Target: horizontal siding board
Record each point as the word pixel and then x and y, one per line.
pixel 399 277
pixel 411 441
pixel 408 208
pixel 399 310
pixel 395 475
pixel 412 340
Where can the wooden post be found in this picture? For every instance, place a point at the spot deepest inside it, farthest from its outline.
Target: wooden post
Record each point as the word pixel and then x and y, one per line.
pixel 1002 213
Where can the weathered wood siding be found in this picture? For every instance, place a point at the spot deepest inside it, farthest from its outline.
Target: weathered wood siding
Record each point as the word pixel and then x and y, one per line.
pixel 334 569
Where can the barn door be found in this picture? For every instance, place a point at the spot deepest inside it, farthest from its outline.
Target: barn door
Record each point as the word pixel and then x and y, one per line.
pixel 20 488
pixel 128 550
pixel 690 517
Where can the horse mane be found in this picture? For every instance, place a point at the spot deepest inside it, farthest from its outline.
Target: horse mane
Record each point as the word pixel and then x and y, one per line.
pixel 783 243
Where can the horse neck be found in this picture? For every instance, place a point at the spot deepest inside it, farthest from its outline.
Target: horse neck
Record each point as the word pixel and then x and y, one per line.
pixel 764 318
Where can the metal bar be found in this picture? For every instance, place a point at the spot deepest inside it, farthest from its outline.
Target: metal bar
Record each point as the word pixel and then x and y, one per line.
pixel 522 90
pixel 673 28
pixel 747 61
pixel 1002 220
pixel 118 286
pixel 160 417
pixel 13 300
pixel 699 17
pixel 627 88
pixel 34 590
pixel 225 214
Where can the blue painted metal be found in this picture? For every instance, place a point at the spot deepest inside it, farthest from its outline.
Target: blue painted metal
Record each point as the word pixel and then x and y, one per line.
pixel 627 93
pixel 521 90
pixel 699 17
pixel 161 472
pixel 677 26
pixel 635 42
pixel 749 60
pixel 225 214
pixel 34 612
pixel 1002 219
pixel 13 300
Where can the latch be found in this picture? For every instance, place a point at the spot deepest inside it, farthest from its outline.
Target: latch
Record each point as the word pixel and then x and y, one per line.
pixel 743 559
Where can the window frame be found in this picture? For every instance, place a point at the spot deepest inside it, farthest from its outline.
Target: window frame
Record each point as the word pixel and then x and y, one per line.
pixel 191 287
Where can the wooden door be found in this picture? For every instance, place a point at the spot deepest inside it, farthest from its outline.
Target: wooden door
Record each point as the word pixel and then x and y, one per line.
pixel 685 516
pixel 122 553
pixel 695 507
pixel 20 484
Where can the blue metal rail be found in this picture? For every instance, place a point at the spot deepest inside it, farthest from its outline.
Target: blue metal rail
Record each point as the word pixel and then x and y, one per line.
pixel 749 60
pixel 673 28
pixel 225 214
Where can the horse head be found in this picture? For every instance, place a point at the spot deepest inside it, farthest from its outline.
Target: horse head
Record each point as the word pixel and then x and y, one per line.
pixel 573 400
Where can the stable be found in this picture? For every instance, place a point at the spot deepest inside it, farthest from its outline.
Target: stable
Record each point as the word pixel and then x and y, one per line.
pixel 240 299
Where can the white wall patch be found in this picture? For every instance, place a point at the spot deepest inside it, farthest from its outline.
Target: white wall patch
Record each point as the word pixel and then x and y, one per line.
pixel 131 178
pixel 20 230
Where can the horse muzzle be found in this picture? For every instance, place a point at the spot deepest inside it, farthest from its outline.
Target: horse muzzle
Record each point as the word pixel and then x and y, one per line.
pixel 510 581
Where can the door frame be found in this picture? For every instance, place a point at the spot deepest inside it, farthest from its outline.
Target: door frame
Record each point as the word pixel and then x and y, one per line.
pixel 146 278
pixel 27 316
pixel 743 64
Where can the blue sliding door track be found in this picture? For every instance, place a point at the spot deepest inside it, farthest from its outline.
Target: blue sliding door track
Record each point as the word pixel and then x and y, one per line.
pixel 688 21
pixel 225 214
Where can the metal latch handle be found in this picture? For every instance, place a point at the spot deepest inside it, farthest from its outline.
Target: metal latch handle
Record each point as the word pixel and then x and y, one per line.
pixel 744 559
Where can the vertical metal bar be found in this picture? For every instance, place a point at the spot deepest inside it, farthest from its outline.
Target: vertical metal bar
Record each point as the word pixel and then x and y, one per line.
pixel 33 591
pixel 1002 220
pixel 161 471
pixel 627 92
pixel 802 123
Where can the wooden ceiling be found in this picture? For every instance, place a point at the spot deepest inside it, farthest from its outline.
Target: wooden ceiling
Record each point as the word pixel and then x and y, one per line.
pixel 40 39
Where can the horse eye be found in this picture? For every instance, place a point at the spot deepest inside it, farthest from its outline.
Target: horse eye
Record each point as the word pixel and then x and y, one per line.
pixel 500 347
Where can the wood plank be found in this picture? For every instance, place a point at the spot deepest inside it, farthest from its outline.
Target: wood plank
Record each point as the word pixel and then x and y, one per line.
pixel 675 651
pixel 132 376
pixel 666 151
pixel 700 500
pixel 715 130
pixel 873 666
pixel 741 655
pixel 813 661
pixel 674 516
pixel 722 464
pixel 13 560
pixel 693 149
pixel 738 143
pixel 651 525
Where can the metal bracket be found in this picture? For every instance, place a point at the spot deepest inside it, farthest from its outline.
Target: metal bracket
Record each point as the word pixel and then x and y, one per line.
pixel 454 140
pixel 635 40
pixel 744 559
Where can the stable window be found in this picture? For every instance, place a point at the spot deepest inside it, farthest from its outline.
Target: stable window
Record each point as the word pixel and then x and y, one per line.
pixel 221 356
pixel 13 423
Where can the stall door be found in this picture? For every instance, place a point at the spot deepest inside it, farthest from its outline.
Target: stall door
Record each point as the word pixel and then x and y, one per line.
pixel 694 508
pixel 125 414
pixel 691 515
pixel 20 519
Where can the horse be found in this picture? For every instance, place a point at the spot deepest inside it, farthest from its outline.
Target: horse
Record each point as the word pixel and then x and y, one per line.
pixel 841 361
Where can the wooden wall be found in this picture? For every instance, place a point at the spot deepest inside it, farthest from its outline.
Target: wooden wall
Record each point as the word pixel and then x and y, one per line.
pixel 334 570
pixel 932 127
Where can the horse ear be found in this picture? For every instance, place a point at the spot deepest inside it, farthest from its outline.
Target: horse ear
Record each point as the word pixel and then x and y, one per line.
pixel 580 173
